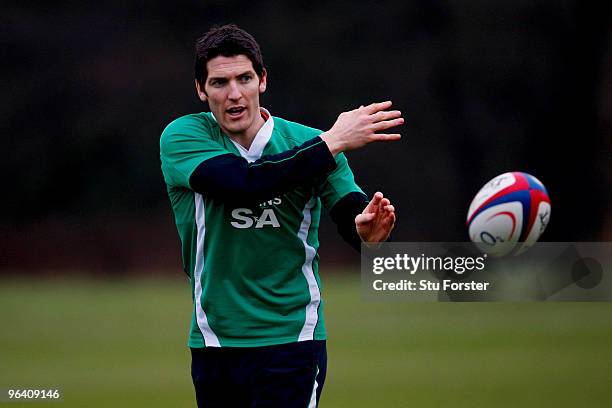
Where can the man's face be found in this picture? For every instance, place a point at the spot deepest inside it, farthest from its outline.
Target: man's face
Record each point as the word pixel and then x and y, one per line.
pixel 232 90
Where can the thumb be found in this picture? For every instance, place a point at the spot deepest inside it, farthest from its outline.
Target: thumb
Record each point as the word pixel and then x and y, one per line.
pixel 362 219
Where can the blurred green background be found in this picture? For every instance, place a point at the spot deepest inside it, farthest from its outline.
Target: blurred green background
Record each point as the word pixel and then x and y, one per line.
pixel 121 343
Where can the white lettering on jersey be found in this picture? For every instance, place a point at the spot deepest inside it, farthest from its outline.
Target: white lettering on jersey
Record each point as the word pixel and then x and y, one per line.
pixel 267 218
pixel 274 201
pixel 244 218
pixel 244 215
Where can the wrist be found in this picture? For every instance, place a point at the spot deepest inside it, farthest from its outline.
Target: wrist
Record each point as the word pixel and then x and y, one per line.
pixel 332 144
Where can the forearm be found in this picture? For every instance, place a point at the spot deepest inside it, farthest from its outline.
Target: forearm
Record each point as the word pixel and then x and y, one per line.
pixel 343 214
pixel 231 178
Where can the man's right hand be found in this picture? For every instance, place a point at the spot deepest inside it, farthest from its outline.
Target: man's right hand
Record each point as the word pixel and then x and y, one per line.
pixel 357 128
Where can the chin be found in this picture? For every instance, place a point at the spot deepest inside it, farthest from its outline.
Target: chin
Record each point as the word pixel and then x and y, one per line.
pixel 236 128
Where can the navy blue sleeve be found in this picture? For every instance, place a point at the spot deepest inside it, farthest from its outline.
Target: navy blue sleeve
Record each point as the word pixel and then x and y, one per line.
pixel 343 215
pixel 231 178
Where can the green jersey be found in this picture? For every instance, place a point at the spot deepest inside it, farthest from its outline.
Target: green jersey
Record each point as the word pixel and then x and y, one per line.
pixel 253 269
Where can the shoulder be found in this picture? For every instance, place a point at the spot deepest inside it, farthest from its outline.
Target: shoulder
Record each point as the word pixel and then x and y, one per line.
pixel 195 126
pixel 294 131
pixel 195 122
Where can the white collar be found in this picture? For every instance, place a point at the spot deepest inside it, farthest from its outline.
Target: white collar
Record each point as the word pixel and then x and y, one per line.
pixel 259 142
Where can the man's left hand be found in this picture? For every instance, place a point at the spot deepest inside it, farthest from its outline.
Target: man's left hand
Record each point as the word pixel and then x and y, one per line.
pixel 377 220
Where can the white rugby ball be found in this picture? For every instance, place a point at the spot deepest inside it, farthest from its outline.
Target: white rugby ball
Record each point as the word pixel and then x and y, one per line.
pixel 509 214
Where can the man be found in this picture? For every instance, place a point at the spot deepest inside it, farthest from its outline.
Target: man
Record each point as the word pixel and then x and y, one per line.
pixel 246 189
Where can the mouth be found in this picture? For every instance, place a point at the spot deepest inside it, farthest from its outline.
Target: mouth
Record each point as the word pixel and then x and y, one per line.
pixel 235 111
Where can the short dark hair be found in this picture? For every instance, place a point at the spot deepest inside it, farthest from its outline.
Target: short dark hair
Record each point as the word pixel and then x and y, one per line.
pixel 228 40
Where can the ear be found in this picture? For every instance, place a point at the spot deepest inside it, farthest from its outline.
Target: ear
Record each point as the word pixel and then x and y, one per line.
pixel 263 81
pixel 201 92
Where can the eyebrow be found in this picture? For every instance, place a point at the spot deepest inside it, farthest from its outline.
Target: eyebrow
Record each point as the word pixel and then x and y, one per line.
pixel 249 72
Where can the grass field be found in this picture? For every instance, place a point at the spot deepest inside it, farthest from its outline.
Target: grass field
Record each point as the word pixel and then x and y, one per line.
pixel 122 344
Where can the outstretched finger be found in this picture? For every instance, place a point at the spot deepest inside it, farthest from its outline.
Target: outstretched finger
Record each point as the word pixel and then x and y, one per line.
pixel 384 137
pixel 385 115
pixel 386 124
pixel 376 107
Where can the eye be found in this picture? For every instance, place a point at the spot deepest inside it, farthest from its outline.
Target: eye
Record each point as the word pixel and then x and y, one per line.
pixel 217 83
pixel 245 78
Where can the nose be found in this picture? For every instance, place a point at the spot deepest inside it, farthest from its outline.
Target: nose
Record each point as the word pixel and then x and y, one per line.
pixel 234 91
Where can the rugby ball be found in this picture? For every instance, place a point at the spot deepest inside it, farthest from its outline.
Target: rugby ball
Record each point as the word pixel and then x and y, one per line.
pixel 509 214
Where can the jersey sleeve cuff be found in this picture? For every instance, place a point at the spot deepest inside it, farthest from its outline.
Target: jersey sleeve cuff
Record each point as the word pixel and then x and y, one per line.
pixel 324 156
